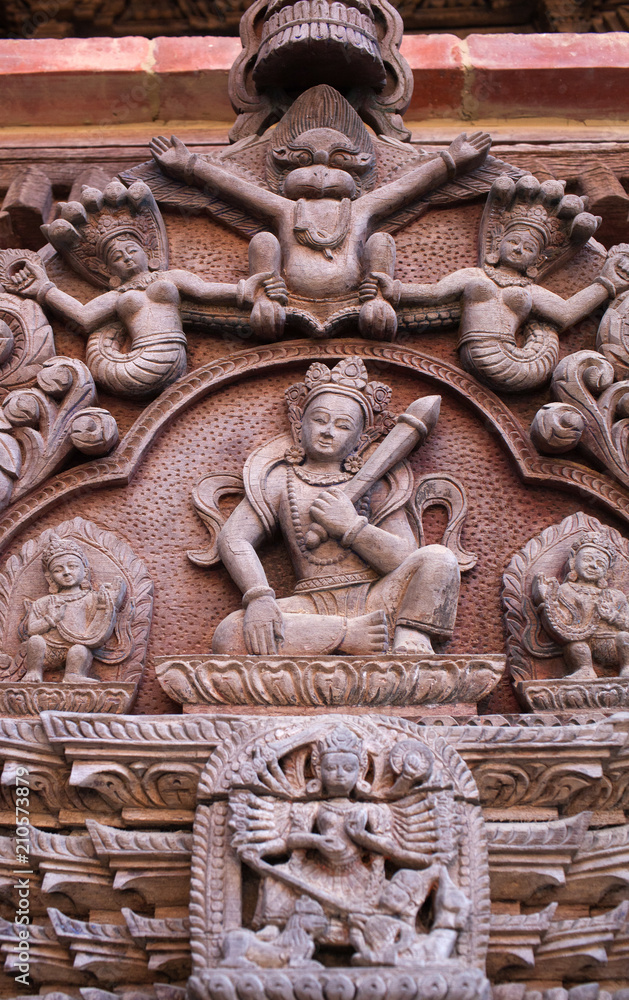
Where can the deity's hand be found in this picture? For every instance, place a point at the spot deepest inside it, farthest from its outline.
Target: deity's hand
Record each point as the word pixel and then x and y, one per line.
pixel 376 282
pixel 616 271
pixel 334 511
pixel 56 615
pixel 29 280
pixel 271 284
pixel 118 590
pixel 610 611
pixel 263 627
pixel 171 155
pixel 540 588
pixel 469 153
pixel 356 823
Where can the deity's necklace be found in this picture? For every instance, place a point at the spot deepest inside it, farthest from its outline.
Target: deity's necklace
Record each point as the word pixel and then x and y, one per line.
pixel 140 281
pixel 299 531
pixel 322 479
pixel 506 279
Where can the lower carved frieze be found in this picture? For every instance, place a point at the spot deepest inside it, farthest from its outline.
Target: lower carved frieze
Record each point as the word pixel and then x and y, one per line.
pixel 560 694
pixel 23 699
pixel 387 681
pixel 450 981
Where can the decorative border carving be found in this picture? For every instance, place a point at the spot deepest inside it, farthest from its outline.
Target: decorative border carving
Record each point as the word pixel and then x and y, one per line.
pixel 118 468
pixel 318 682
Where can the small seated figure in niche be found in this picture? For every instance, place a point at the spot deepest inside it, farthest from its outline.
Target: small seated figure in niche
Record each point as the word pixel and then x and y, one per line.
pixel 528 229
pixel 322 203
pixel 68 625
pixel 584 614
pixel 117 239
pixel 391 937
pixel 369 579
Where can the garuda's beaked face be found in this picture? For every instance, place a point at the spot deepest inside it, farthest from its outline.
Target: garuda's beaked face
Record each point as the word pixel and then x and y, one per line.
pixel 321 164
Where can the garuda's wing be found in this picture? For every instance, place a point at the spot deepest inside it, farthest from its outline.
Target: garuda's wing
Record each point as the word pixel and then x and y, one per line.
pixel 464 188
pixel 171 193
pixel 425 829
pixel 260 823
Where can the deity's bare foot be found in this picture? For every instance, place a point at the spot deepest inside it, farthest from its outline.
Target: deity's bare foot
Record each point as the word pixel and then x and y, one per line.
pixel 366 634
pixel 79 679
pixel 33 677
pixel 583 674
pixel 625 671
pixel 410 640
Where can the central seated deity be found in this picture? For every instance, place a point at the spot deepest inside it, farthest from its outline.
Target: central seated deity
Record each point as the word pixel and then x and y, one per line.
pixel 364 585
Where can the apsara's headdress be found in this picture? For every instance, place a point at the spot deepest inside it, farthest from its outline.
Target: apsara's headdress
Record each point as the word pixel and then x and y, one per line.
pixel 348 378
pixel 58 546
pixel 85 229
pixel 558 221
pixel 339 740
pixel 318 109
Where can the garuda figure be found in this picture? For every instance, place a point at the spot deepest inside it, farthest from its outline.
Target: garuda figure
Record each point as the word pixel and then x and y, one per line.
pixel 337 839
pixel 322 206
pixel 361 576
pixel 586 616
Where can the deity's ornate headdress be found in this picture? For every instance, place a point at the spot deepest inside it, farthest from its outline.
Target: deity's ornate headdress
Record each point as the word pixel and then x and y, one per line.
pixel 60 546
pixel 317 109
pixel 348 378
pixel 85 229
pixel 339 740
pixel 558 221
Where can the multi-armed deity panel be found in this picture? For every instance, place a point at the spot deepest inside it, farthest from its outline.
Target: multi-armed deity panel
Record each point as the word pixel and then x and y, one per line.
pixel 314 608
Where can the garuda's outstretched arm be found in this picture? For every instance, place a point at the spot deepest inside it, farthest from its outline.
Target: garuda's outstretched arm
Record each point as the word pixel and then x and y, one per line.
pixel 463 154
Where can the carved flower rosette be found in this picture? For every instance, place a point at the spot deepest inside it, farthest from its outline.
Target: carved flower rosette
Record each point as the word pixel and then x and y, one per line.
pixel 118 663
pixel 535 657
pixel 290 893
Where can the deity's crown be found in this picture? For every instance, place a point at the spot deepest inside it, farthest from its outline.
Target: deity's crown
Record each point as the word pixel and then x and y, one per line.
pixel 348 378
pixel 533 217
pixel 597 540
pixel 85 229
pixel 559 221
pixel 340 740
pixel 58 546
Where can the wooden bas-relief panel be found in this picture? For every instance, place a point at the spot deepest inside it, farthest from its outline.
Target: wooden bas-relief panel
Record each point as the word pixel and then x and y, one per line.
pixel 314 536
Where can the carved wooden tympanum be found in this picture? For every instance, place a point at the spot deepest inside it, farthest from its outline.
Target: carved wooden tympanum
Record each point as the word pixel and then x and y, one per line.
pixel 283 419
